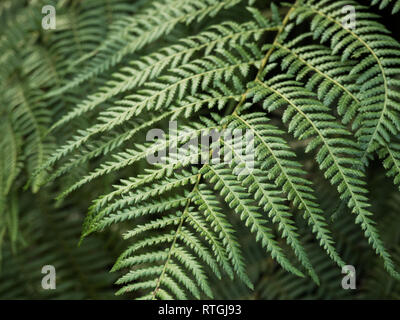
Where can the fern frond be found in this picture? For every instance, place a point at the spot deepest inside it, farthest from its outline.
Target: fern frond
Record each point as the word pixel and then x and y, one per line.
pixel 209 204
pixel 150 67
pixel 131 156
pixel 323 73
pixel 187 107
pixel 184 178
pixel 169 271
pixel 378 62
pixel 146 27
pixel 307 118
pixel 237 198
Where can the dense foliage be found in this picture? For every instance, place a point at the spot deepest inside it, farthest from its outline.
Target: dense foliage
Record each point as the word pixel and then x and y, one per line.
pixel 320 99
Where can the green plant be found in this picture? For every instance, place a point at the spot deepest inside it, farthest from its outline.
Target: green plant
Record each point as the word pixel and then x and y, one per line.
pixel 321 101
